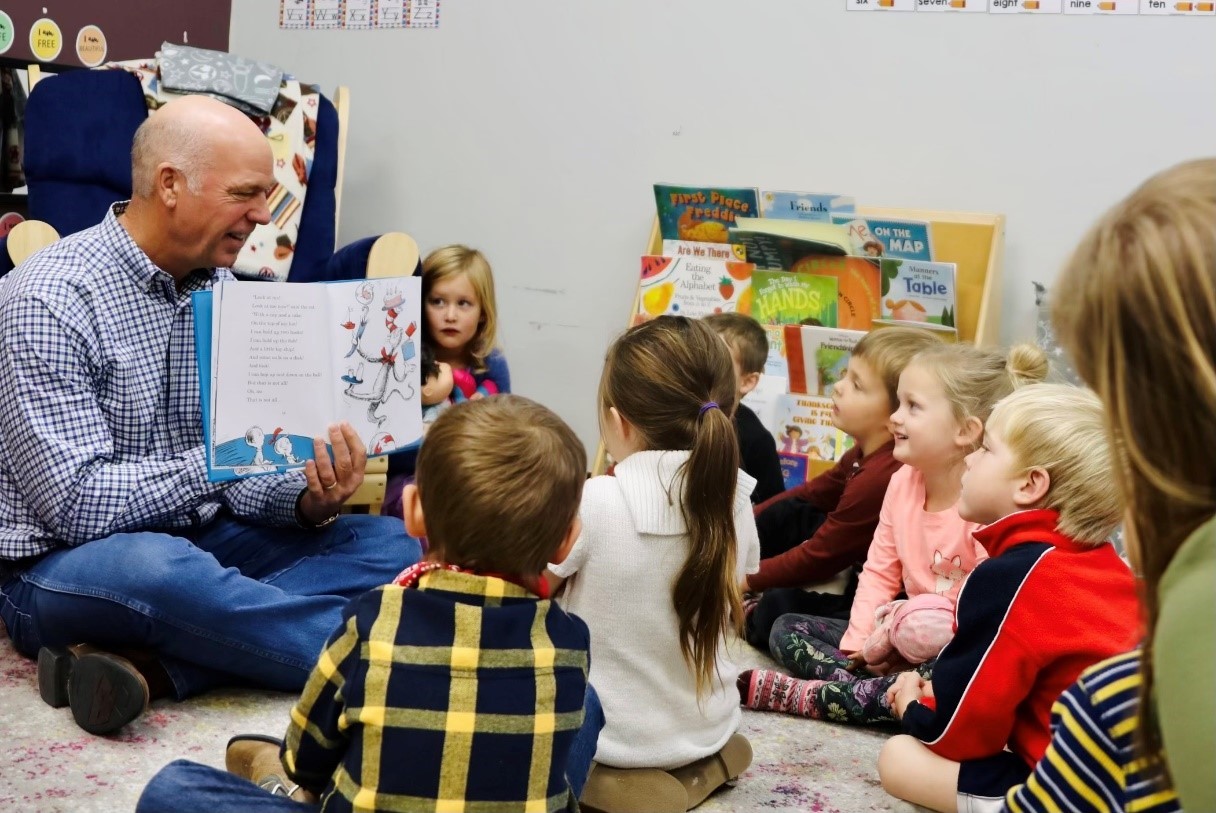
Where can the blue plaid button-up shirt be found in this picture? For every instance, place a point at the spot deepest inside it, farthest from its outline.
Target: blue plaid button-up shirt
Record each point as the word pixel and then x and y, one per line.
pixel 100 415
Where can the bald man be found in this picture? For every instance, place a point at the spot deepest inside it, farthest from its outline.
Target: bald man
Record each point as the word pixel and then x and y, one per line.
pixel 110 533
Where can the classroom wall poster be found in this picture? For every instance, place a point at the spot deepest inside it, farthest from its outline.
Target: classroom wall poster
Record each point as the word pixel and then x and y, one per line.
pixel 357 14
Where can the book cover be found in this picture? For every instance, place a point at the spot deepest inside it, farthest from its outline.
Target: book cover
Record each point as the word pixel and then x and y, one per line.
pixel 704 251
pixel 279 363
pixel 919 292
pixel 775 364
pixel 818 357
pixel 804 205
pixel 876 237
pixel 702 213
pixel 782 298
pixel 764 397
pixel 765 240
pixel 687 286
pixel 804 434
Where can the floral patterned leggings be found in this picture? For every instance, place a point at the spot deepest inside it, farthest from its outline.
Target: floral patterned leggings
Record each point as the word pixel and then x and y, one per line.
pixel 822 686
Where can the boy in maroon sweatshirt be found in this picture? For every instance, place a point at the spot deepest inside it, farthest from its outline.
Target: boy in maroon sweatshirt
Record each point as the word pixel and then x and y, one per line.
pixel 810 533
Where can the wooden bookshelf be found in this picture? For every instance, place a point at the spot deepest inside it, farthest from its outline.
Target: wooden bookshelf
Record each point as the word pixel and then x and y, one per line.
pixel 974 242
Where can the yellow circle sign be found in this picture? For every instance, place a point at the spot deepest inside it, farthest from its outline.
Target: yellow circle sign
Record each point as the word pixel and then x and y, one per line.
pixel 46 40
pixel 91 46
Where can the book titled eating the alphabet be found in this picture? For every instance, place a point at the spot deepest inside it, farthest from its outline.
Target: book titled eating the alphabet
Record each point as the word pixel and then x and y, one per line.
pixel 278 363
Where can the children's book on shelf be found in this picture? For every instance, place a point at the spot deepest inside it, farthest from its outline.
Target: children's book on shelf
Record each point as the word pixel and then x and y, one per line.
pixel 920 293
pixel 279 363
pixel 882 237
pixel 702 213
pixel 804 205
pixel 784 298
pixel 773 243
pixel 818 357
pixel 775 364
pixel 704 251
pixel 693 287
pixel 804 434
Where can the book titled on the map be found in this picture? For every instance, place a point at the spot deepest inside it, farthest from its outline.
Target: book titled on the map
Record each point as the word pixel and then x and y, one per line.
pixel 702 213
pixel 694 287
pixel 806 438
pixel 885 237
pixel 818 357
pixel 704 251
pixel 279 363
pixel 804 205
pixel 918 292
pixel 783 298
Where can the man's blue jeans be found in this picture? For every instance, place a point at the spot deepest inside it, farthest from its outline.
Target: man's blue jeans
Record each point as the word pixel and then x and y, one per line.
pixel 228 604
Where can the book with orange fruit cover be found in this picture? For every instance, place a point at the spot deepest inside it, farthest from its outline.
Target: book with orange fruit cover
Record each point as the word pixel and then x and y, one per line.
pixel 702 213
pixel 692 286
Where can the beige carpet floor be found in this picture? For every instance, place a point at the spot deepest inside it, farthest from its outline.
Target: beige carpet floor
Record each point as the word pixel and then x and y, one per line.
pixel 48 764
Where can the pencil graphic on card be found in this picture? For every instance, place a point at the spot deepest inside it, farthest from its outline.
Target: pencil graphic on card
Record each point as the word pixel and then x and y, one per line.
pixel 1208 7
pixel 1184 6
pixel 1031 5
pixel 1108 6
pixel 958 3
pixel 886 3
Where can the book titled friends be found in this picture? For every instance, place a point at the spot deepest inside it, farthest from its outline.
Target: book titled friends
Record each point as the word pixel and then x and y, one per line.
pixel 810 206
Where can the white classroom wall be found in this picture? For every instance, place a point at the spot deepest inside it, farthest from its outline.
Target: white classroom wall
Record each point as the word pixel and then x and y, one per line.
pixel 534 129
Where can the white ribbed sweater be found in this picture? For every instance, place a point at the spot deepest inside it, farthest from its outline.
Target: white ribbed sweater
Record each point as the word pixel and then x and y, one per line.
pixel 621 573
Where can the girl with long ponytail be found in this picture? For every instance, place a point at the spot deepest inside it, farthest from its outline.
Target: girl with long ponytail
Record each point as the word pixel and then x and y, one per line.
pixel 656 570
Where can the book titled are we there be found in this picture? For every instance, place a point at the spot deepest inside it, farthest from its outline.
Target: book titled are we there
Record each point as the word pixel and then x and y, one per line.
pixel 278 363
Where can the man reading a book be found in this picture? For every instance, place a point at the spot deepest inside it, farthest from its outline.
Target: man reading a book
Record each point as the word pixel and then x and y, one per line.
pixel 122 568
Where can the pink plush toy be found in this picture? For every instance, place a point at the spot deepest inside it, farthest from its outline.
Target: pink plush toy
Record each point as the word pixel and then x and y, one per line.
pixel 918 629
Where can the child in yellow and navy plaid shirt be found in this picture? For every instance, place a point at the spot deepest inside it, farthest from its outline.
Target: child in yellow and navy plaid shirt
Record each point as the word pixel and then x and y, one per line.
pixel 461 685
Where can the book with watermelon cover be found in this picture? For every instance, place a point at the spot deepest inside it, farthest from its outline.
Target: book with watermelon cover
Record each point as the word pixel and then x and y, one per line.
pixel 920 293
pixel 804 205
pixel 818 357
pixel 782 298
pixel 702 213
pixel 693 287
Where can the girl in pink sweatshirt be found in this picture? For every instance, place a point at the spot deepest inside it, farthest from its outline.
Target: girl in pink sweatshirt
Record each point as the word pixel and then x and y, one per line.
pixel 921 544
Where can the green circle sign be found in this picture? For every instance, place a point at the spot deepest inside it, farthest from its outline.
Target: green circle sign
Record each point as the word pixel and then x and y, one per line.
pixel 7 35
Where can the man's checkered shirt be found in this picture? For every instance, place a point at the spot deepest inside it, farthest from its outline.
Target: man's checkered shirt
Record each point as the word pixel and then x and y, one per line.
pixel 100 419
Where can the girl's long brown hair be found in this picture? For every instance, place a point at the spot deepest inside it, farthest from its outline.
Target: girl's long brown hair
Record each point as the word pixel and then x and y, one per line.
pixel 1136 308
pixel 659 376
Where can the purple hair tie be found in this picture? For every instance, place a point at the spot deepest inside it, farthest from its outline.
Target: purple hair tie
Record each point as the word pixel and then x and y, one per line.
pixel 706 407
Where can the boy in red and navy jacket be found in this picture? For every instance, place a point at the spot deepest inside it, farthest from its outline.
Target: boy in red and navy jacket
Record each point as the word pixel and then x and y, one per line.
pixel 1053 599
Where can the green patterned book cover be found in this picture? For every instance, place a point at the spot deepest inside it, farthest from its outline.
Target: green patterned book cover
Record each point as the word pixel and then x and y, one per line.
pixel 783 298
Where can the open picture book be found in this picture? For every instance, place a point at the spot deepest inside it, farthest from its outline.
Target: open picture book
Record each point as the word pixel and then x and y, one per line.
pixel 279 363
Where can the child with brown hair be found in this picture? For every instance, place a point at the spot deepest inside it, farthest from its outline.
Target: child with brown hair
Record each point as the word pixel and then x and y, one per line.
pixel 459 684
pixel 748 345
pixel 1041 486
pixel 812 532
pixel 1136 309
pixel 656 570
